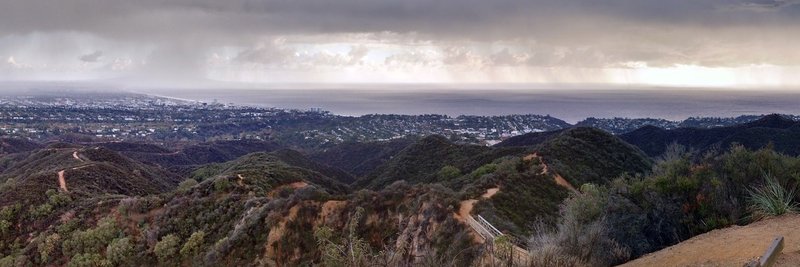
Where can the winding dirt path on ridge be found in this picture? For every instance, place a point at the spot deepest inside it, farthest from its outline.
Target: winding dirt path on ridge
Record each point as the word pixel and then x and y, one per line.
pixel 558 178
pixel 75 155
pixel 241 180
pixel 465 207
pixel 62 183
pixel 62 180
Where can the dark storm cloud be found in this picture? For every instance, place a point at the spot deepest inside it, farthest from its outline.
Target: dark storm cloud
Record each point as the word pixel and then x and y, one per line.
pixel 92 57
pixel 580 33
pixel 456 18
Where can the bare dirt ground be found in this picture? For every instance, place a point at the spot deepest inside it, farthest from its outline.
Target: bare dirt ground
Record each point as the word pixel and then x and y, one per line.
pixel 241 180
pixel 466 206
pixel 277 232
pixel 732 246
pixel 295 185
pixel 329 207
pixel 62 182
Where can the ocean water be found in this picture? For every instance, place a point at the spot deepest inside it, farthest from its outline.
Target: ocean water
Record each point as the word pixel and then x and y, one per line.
pixel 571 105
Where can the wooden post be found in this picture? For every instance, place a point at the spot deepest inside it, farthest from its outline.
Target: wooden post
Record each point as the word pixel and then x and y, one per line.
pixel 772 252
pixel 491 248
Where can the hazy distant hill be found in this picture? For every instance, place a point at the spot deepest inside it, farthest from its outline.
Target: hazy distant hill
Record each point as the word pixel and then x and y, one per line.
pixel 16 145
pixel 185 159
pixel 297 159
pixel 781 131
pixel 422 161
pixel 271 170
pixel 361 158
pixel 87 172
pixel 624 125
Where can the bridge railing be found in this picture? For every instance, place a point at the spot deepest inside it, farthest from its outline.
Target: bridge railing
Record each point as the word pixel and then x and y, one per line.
pixel 490 233
pixel 488 226
pixel 482 230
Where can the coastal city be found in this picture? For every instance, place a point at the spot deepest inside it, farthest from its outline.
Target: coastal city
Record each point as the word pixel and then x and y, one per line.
pixel 132 117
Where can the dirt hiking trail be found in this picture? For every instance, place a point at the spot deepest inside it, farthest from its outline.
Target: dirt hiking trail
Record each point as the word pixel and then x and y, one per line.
pixel 466 206
pixel 62 180
pixel 558 178
pixel 62 183
pixel 75 155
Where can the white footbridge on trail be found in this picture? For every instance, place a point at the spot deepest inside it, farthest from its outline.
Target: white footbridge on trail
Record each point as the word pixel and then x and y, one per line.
pixel 507 250
pixel 484 228
pixel 489 233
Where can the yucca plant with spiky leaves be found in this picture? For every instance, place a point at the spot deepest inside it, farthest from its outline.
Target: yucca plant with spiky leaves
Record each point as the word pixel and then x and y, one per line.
pixel 771 199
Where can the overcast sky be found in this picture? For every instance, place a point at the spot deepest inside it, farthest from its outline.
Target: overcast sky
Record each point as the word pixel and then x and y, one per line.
pixel 747 43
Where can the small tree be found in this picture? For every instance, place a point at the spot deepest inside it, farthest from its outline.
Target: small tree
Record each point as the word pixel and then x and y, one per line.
pixel 449 172
pixel 88 260
pixel 41 211
pixel 167 248
pixel 91 240
pixel 186 185
pixel 193 245
pixel 120 251
pixel 221 184
pixel 57 199
pixel 46 248
pixel 5 227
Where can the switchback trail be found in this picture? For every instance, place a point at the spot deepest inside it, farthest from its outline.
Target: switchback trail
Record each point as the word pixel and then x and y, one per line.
pixel 558 178
pixel 62 180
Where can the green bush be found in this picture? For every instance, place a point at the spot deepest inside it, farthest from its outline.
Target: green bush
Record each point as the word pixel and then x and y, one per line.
pixel 88 260
pixel 221 184
pixel 484 170
pixel 186 185
pixel 193 244
pixel 46 248
pixel 167 249
pixel 5 227
pixel 41 211
pixel 120 251
pixel 771 199
pixel 9 213
pixel 448 172
pixel 57 199
pixel 91 240
pixel 15 260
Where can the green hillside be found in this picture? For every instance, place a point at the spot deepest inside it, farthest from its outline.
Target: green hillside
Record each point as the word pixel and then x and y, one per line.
pixel 588 155
pixel 360 159
pixel 433 159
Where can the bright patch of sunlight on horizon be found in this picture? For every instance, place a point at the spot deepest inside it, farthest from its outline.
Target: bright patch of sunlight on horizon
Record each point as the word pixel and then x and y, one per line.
pixel 700 76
